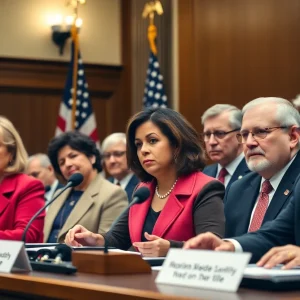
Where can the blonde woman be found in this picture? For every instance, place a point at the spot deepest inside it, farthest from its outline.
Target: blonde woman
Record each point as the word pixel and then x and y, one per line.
pixel 21 196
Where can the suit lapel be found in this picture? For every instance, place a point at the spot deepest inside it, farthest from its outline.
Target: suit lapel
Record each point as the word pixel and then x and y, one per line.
pixel 138 213
pixel 84 203
pixel 173 207
pixel 284 189
pixel 240 171
pixel 168 215
pixel 7 187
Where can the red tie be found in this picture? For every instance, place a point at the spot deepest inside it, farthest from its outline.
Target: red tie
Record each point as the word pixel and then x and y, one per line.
pixel 261 207
pixel 222 175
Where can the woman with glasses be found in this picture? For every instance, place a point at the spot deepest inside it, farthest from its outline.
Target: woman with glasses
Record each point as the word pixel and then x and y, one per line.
pixel 95 203
pixel 165 152
pixel 115 163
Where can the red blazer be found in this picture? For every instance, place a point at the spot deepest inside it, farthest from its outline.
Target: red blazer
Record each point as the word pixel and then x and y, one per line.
pixel 21 197
pixel 175 221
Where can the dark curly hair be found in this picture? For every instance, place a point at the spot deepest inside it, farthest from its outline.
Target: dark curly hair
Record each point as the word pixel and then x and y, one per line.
pixel 76 141
pixel 189 153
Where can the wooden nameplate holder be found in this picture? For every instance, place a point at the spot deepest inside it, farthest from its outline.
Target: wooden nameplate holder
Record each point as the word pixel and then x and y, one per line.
pixel 98 262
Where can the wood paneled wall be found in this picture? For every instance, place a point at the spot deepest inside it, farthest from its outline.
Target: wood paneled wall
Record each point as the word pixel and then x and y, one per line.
pixel 232 51
pixel 31 92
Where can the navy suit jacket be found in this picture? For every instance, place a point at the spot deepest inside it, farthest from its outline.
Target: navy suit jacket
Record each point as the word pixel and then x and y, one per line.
pixel 285 229
pixel 133 182
pixel 240 171
pixel 241 197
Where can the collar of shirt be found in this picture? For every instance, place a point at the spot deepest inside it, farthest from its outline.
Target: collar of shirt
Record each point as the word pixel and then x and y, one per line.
pixel 124 181
pixel 276 179
pixel 51 192
pixel 230 168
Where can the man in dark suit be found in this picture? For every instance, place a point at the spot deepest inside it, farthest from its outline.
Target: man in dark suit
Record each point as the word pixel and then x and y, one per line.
pixel 221 122
pixel 274 157
pixel 115 163
pixel 271 143
pixel 40 167
pixel 281 235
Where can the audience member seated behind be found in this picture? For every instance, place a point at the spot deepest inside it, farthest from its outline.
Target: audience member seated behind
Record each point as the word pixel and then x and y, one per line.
pixel 21 196
pixel 95 203
pixel 276 242
pixel 221 122
pixel 39 166
pixel 164 150
pixel 115 162
pixel 271 143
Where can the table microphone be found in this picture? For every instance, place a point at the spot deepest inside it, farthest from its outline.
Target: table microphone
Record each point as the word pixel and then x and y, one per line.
pixel 139 197
pixel 73 181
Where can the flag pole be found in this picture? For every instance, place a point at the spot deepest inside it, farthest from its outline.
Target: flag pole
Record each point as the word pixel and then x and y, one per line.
pixel 75 73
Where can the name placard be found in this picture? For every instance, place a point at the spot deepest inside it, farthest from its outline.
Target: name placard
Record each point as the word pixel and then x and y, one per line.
pixel 13 257
pixel 214 270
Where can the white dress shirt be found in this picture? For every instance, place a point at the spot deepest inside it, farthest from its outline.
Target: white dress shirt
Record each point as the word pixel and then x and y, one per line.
pixel 124 181
pixel 230 168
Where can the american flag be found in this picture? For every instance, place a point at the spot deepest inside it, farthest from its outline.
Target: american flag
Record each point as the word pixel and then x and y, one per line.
pixel 85 121
pixel 154 93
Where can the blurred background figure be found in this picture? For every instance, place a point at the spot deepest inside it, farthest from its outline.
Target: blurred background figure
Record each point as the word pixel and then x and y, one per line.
pixel 221 123
pixel 95 203
pixel 39 166
pixel 21 196
pixel 115 163
pixel 165 152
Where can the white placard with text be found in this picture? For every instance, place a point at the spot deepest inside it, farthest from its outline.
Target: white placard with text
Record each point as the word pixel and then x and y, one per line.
pixel 13 257
pixel 214 270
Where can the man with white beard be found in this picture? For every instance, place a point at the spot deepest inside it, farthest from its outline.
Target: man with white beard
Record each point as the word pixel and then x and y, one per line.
pixel 270 143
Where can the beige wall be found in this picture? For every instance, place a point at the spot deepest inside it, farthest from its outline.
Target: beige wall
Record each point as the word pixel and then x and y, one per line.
pixel 25 33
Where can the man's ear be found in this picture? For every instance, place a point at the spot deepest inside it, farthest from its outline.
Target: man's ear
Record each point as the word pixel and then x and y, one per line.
pixel 294 136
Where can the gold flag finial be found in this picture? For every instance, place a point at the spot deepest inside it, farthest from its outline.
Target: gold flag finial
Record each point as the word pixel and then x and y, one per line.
pixel 149 11
pixel 150 8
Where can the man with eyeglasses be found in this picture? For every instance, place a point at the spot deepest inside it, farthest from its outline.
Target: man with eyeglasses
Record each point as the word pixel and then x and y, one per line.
pixel 115 163
pixel 270 140
pixel 221 122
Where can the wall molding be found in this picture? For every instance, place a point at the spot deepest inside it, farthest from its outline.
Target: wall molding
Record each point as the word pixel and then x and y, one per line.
pixel 17 75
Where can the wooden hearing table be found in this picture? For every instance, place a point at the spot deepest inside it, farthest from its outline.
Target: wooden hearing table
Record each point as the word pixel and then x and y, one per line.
pixel 40 285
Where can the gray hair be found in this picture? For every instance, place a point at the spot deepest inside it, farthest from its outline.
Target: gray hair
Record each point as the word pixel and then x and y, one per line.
pixel 43 159
pixel 235 117
pixel 113 139
pixel 286 114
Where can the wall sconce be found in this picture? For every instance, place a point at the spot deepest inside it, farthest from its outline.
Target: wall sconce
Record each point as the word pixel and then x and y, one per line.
pixel 61 29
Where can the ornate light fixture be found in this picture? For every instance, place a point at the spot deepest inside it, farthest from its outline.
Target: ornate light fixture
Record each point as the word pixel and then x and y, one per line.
pixel 61 27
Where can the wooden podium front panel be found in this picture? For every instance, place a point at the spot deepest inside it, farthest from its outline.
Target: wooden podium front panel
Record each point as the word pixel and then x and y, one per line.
pixel 38 285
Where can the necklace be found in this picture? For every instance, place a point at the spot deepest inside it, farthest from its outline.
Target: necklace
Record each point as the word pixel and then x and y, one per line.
pixel 166 194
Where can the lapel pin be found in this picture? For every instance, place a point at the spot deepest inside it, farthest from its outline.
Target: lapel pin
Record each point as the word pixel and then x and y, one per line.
pixel 286 192
pixel 240 177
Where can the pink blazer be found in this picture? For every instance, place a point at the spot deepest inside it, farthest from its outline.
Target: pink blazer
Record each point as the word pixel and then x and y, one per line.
pixel 21 197
pixel 175 221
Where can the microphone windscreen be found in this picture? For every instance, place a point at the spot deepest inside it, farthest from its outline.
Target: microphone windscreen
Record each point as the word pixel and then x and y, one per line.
pixel 75 179
pixel 142 194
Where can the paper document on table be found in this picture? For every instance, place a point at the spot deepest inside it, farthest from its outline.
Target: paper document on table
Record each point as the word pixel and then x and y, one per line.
pixel 258 272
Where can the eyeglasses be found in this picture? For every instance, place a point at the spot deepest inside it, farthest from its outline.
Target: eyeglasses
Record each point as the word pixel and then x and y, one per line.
pixel 257 133
pixel 218 134
pixel 107 155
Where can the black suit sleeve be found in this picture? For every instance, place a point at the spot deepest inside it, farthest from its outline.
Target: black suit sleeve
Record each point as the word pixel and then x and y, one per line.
pixel 208 211
pixel 278 232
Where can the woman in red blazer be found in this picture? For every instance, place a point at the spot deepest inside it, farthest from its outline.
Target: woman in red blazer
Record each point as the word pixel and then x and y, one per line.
pixel 21 196
pixel 165 152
